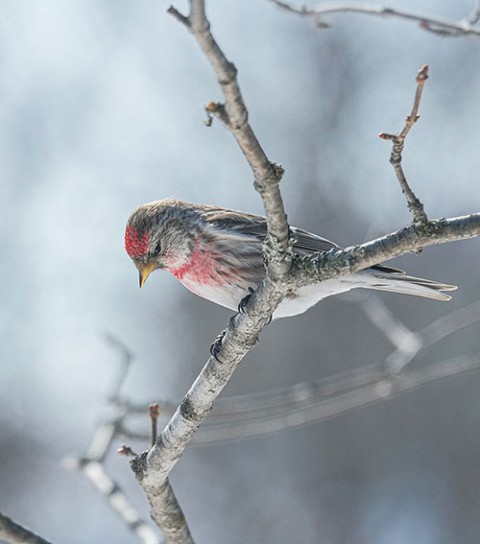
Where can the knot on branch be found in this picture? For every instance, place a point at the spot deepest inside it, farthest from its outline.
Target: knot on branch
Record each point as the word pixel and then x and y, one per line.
pixel 272 178
pixel 229 75
pixel 139 465
pixel 276 251
pixel 218 110
pixel 326 264
pixel 430 228
pixel 187 410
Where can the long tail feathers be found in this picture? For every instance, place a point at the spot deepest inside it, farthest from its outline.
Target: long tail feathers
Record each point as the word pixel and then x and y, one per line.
pixel 396 282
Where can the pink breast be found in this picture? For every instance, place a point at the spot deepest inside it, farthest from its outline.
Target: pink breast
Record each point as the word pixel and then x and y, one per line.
pixel 205 267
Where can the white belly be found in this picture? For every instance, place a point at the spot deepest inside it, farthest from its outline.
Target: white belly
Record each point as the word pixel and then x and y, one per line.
pixel 306 297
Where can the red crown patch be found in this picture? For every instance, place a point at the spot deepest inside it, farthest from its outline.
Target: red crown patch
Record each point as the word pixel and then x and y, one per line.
pixel 136 244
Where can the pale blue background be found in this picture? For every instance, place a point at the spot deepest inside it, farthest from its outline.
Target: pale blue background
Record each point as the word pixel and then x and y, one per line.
pixel 101 110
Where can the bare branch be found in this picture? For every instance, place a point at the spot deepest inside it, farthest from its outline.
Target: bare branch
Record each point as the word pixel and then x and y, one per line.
pixel 431 334
pixel 126 357
pixel 321 266
pixel 306 413
pixel 242 332
pixel 112 491
pixel 405 340
pixel 244 416
pixel 307 403
pixel 474 16
pixel 13 533
pixel 283 274
pixel 234 115
pixel 154 413
pixel 181 18
pixel 414 204
pixel 431 23
pixel 164 507
pixel 91 465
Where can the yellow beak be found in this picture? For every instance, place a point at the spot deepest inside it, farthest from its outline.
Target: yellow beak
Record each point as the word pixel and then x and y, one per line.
pixel 145 271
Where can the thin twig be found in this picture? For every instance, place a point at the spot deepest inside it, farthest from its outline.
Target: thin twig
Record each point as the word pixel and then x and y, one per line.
pixel 126 358
pixel 414 204
pixel 399 335
pixel 153 469
pixel 127 451
pixel 243 416
pixel 91 465
pixel 431 23
pixel 307 403
pixel 320 410
pixel 474 16
pixel 242 332
pixel 13 533
pixel 154 414
pixel 112 491
pixel 433 333
pixel 234 115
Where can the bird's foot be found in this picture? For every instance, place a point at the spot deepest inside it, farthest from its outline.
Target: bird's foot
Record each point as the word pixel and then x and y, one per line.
pixel 243 303
pixel 216 347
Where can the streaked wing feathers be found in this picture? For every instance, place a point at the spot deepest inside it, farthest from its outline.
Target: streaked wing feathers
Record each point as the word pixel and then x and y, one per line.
pixel 256 226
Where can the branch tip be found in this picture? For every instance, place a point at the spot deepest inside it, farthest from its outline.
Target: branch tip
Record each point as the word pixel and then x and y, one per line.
pixel 212 107
pixel 414 204
pixel 127 451
pixel 422 73
pixel 154 410
pixel 179 16
pixel 154 414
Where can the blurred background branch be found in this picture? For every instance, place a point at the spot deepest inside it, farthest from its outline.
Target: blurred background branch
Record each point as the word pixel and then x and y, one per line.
pixel 101 111
pixel 431 23
pixel 13 533
pixel 251 415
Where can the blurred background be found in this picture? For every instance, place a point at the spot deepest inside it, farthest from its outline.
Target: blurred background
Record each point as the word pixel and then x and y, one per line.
pixel 101 106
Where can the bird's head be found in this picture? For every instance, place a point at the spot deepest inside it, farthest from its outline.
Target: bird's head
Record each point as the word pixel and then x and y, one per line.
pixel 160 234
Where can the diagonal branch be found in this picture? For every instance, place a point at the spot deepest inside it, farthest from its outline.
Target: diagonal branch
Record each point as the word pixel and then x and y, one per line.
pixel 252 414
pixel 242 333
pixel 414 204
pixel 312 402
pixel 322 266
pixel 431 23
pixel 92 464
pixel 283 275
pixel 13 533
pixel 234 115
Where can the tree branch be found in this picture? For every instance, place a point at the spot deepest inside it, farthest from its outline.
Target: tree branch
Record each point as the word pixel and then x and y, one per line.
pixel 283 275
pixel 414 204
pixel 313 409
pixel 321 266
pixel 234 115
pixel 91 465
pixel 243 330
pixel 252 414
pixel 431 23
pixel 13 533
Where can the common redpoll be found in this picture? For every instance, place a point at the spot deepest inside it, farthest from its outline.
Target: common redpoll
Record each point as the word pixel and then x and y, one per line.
pixel 217 254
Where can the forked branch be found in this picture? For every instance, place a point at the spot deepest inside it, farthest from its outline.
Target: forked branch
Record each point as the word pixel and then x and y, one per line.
pixel 284 275
pixel 414 204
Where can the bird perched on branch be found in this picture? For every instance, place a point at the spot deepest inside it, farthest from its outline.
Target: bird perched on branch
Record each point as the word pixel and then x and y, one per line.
pixel 216 253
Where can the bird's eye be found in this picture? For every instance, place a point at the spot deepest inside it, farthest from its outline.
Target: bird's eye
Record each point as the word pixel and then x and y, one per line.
pixel 158 249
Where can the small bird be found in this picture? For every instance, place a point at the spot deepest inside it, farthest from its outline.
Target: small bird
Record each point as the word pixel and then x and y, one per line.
pixel 216 253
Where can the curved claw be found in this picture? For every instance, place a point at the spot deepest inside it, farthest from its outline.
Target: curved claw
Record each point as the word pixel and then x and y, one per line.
pixel 243 303
pixel 216 347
